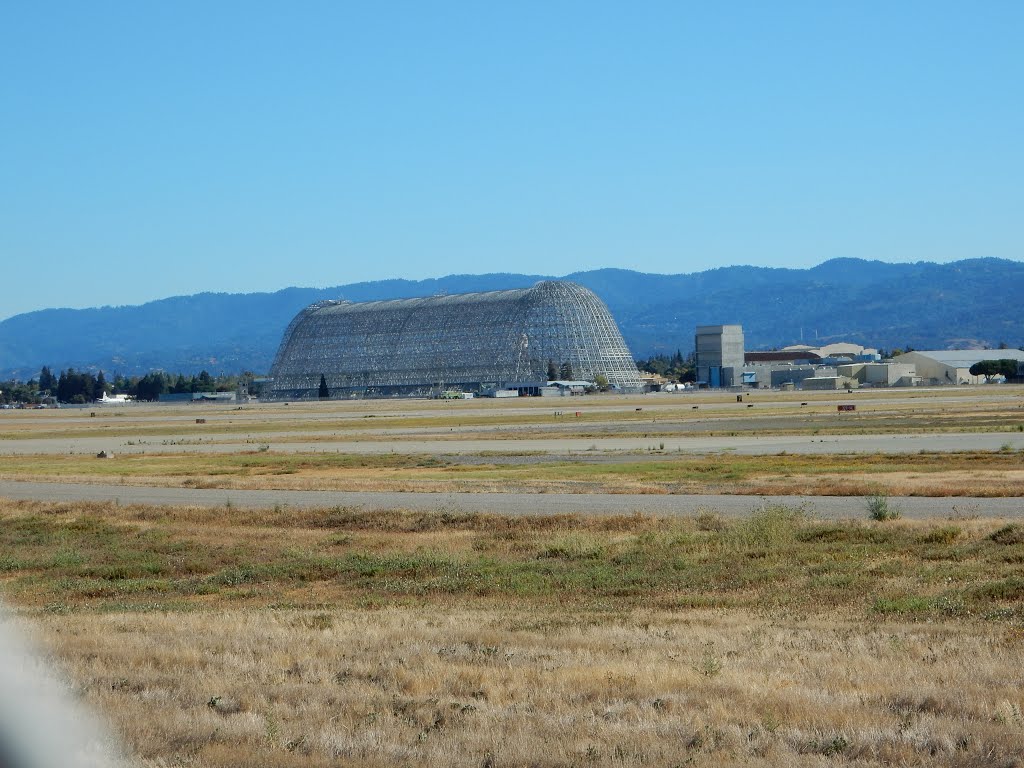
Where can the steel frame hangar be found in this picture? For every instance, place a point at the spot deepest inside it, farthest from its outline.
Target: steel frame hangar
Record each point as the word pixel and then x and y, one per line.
pixel 473 342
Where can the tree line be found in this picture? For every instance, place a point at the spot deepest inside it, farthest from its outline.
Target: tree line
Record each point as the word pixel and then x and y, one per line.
pixel 674 367
pixel 79 387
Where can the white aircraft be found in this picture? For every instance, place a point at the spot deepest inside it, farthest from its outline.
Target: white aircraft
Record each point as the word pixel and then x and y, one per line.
pixel 114 399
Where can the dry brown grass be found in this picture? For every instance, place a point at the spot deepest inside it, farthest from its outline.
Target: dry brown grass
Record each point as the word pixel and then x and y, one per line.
pixel 456 687
pixel 977 473
pixel 226 637
pixel 944 410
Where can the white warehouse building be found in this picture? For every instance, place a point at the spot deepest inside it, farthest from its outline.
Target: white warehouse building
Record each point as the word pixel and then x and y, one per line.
pixel 953 366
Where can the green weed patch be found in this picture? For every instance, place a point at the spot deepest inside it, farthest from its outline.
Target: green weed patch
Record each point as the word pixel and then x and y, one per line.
pixel 776 559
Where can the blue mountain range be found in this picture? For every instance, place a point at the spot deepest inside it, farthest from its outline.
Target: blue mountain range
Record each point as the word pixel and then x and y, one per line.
pixel 963 304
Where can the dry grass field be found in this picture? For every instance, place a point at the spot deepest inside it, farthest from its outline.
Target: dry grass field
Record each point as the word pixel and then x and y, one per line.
pixel 275 446
pixel 215 637
pixel 966 473
pixel 699 414
pixel 223 637
pixel 513 687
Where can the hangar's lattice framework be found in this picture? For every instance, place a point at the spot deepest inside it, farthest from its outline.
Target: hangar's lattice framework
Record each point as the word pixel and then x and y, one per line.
pixel 472 341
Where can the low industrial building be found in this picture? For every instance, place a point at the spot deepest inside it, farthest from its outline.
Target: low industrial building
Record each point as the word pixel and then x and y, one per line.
pixel 829 382
pixel 502 392
pixel 765 375
pixel 881 374
pixel 842 349
pixel 791 356
pixel 566 388
pixel 198 397
pixel 653 382
pixel 953 366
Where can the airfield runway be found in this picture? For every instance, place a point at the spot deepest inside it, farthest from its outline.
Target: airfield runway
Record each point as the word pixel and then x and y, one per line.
pixel 829 507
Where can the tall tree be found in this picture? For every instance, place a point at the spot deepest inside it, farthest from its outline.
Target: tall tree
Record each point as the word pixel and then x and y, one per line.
pixel 47 381
pixel 64 386
pixel 325 393
pixel 1005 367
pixel 150 386
pixel 75 387
pixel 204 383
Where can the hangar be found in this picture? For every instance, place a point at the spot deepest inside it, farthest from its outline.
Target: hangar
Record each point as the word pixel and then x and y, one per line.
pixel 953 366
pixel 472 341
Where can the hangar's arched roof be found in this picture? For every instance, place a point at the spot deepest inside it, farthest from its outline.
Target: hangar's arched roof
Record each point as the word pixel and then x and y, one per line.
pixel 471 340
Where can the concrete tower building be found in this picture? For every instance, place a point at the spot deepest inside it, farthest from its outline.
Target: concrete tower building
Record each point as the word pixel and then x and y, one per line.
pixel 719 354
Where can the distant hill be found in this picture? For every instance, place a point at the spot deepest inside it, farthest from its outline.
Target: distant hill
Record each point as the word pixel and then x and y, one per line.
pixel 925 305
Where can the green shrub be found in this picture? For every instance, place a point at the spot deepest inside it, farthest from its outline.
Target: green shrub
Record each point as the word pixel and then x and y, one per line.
pixel 901 605
pixel 769 528
pixel 1009 534
pixel 574 548
pixel 710 521
pixel 881 509
pixel 8 563
pixel 1004 589
pixel 947 534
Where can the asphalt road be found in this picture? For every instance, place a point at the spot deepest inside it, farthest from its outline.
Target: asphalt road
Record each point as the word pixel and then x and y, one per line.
pixel 508 503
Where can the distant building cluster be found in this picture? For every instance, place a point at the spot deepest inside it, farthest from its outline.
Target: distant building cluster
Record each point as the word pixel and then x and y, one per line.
pixel 723 362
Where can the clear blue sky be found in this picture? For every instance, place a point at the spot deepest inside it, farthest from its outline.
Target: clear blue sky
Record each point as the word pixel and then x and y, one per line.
pixel 156 149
